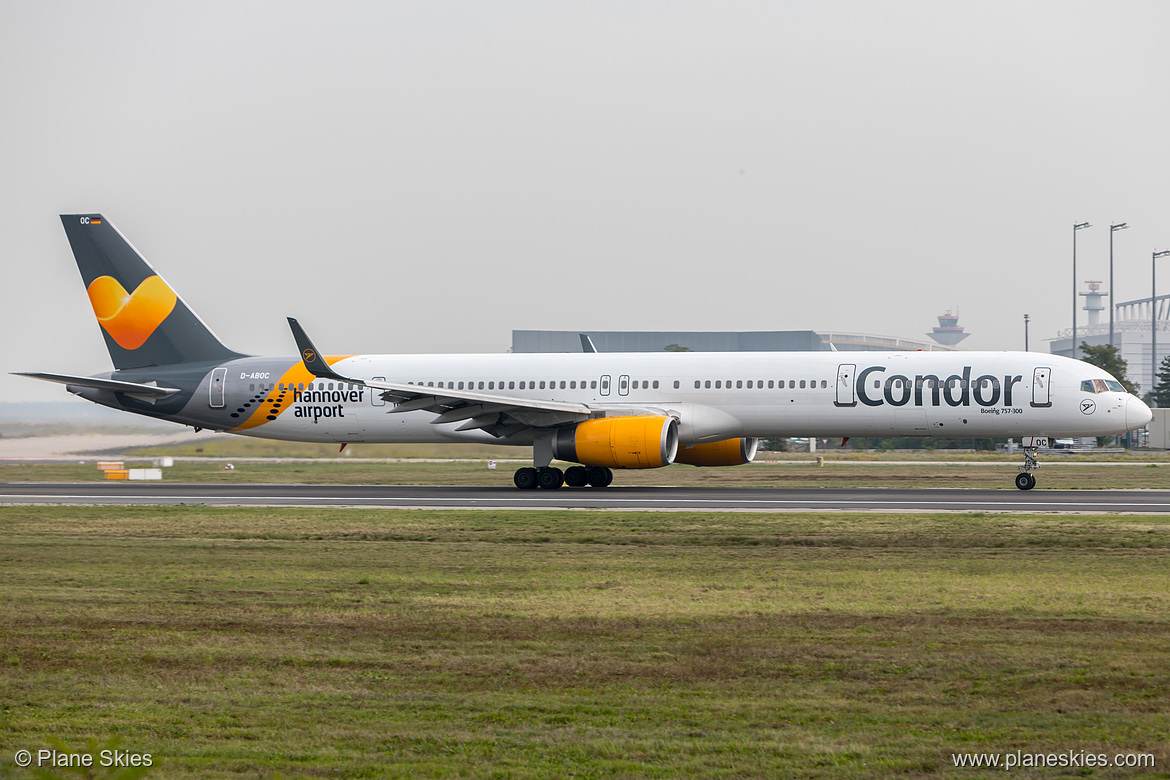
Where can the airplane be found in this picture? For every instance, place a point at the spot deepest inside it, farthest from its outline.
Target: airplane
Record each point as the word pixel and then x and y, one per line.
pixel 599 411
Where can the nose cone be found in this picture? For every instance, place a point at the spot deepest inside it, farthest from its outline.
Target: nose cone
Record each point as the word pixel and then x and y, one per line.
pixel 1137 413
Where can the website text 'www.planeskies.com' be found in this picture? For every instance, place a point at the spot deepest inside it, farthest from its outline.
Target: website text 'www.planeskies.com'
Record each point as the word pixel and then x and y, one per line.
pixel 1067 759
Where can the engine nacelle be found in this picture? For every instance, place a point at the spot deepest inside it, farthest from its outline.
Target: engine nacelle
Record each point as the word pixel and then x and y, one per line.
pixel 641 442
pixel 729 452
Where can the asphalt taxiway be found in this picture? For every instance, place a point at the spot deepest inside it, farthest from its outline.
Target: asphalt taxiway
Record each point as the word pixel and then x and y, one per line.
pixel 621 498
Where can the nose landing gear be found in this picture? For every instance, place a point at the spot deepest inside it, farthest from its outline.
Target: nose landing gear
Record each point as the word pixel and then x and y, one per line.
pixel 1026 480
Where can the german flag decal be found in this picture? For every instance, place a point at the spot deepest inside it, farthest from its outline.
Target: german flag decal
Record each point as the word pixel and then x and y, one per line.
pixel 95 221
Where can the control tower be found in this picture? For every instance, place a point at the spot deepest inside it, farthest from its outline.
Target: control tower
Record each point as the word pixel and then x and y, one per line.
pixel 948 333
pixel 1094 303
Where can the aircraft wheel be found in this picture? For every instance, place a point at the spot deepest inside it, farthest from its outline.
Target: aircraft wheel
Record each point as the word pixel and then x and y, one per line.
pixel 576 476
pixel 1025 481
pixel 525 479
pixel 599 476
pixel 550 478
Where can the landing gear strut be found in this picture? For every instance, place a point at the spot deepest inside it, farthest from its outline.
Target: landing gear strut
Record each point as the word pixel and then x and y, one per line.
pixel 1025 480
pixel 551 478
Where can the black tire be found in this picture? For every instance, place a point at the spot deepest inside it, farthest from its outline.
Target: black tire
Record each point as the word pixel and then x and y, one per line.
pixel 525 479
pixel 599 476
pixel 576 476
pixel 550 478
pixel 1025 481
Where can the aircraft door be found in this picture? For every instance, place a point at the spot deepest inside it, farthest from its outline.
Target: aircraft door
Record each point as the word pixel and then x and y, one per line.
pixel 218 377
pixel 624 384
pixel 376 395
pixel 605 384
pixel 846 390
pixel 1041 392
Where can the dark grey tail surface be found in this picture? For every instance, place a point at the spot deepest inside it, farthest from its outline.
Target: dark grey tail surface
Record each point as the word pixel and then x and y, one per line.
pixel 142 319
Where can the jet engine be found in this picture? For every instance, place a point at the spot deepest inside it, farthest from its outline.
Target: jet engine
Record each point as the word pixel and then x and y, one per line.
pixel 641 442
pixel 729 452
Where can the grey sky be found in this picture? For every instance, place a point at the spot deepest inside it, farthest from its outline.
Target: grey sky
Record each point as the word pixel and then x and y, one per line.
pixel 415 177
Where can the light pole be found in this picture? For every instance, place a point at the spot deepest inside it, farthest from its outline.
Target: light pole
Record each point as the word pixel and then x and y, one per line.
pixel 1025 332
pixel 1076 226
pixel 1154 315
pixel 1112 229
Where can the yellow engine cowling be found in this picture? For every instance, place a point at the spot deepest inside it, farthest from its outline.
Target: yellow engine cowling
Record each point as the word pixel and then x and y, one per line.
pixel 729 452
pixel 641 442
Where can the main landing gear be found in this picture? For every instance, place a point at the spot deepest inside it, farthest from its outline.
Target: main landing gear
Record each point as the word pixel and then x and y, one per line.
pixel 550 478
pixel 1026 480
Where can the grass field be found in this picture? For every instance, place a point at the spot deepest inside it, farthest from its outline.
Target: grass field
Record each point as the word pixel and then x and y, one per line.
pixel 343 643
pixel 1061 474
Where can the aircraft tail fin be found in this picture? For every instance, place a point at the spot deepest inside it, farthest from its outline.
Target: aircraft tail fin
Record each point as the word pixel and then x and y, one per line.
pixel 144 322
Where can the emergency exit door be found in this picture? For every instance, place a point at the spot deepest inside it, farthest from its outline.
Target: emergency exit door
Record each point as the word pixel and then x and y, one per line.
pixel 218 377
pixel 846 386
pixel 1041 392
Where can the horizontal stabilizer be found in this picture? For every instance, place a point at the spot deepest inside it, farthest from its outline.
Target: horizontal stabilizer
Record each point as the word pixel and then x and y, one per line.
pixel 131 388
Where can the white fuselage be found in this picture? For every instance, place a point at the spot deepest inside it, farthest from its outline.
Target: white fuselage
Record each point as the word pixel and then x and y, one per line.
pixel 713 395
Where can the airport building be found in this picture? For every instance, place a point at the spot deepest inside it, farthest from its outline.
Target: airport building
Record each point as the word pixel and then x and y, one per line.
pixel 1134 324
pixel 714 341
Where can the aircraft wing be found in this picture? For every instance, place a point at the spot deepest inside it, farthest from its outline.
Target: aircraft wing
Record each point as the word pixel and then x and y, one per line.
pixel 499 415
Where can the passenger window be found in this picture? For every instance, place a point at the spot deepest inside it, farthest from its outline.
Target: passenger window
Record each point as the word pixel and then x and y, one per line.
pixel 512 384
pixel 542 384
pixel 593 385
pixel 655 384
pixel 252 388
pixel 562 384
pixel 802 384
pixel 739 383
pixel 770 385
pixel 572 384
pixel 824 384
pixel 792 384
pixel 718 384
pixel 708 384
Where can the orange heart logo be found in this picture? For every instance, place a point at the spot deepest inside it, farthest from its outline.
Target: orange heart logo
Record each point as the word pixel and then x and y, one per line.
pixel 130 318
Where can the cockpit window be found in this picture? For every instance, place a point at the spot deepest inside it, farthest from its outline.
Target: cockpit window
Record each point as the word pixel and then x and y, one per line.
pixel 1102 386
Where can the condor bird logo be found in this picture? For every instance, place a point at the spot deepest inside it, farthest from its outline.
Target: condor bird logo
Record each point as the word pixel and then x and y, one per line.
pixel 308 355
pixel 131 318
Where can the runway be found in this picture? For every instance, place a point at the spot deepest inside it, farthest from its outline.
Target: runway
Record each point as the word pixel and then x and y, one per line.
pixel 618 498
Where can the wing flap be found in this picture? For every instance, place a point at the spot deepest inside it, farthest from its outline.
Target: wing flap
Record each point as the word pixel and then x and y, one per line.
pixel 513 413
